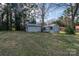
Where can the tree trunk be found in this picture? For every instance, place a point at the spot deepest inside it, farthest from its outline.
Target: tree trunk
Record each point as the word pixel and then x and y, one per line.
pixel 7 23
pixel 74 12
pixel 42 16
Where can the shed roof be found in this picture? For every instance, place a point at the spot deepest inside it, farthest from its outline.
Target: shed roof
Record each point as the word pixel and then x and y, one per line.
pixel 34 25
pixel 50 25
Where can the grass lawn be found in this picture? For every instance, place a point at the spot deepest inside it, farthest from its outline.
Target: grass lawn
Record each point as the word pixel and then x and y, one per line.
pixel 21 43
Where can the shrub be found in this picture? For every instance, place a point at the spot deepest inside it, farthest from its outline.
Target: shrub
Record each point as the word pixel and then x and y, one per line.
pixel 69 30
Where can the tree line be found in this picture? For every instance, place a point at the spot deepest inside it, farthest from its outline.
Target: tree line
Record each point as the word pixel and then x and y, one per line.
pixel 15 15
pixel 70 18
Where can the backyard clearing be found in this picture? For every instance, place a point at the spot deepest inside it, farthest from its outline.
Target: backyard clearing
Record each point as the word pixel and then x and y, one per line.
pixel 18 43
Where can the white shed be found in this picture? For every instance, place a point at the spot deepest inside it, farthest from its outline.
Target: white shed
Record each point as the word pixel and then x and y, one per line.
pixel 53 28
pixel 33 28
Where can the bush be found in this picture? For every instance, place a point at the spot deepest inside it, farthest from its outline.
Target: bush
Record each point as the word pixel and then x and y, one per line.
pixel 3 27
pixel 13 29
pixel 69 30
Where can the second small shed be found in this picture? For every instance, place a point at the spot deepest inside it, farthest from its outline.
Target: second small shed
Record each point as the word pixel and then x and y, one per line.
pixel 53 28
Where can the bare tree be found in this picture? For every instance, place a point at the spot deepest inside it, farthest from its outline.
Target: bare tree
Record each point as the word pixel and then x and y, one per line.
pixel 43 9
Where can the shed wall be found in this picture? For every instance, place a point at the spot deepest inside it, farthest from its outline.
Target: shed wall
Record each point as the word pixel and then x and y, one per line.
pixel 34 29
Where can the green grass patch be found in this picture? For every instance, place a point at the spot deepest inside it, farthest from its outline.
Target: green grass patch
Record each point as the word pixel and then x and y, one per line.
pixel 37 44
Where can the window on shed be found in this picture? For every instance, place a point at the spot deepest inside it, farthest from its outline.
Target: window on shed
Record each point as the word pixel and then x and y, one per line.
pixel 51 28
pixel 44 28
